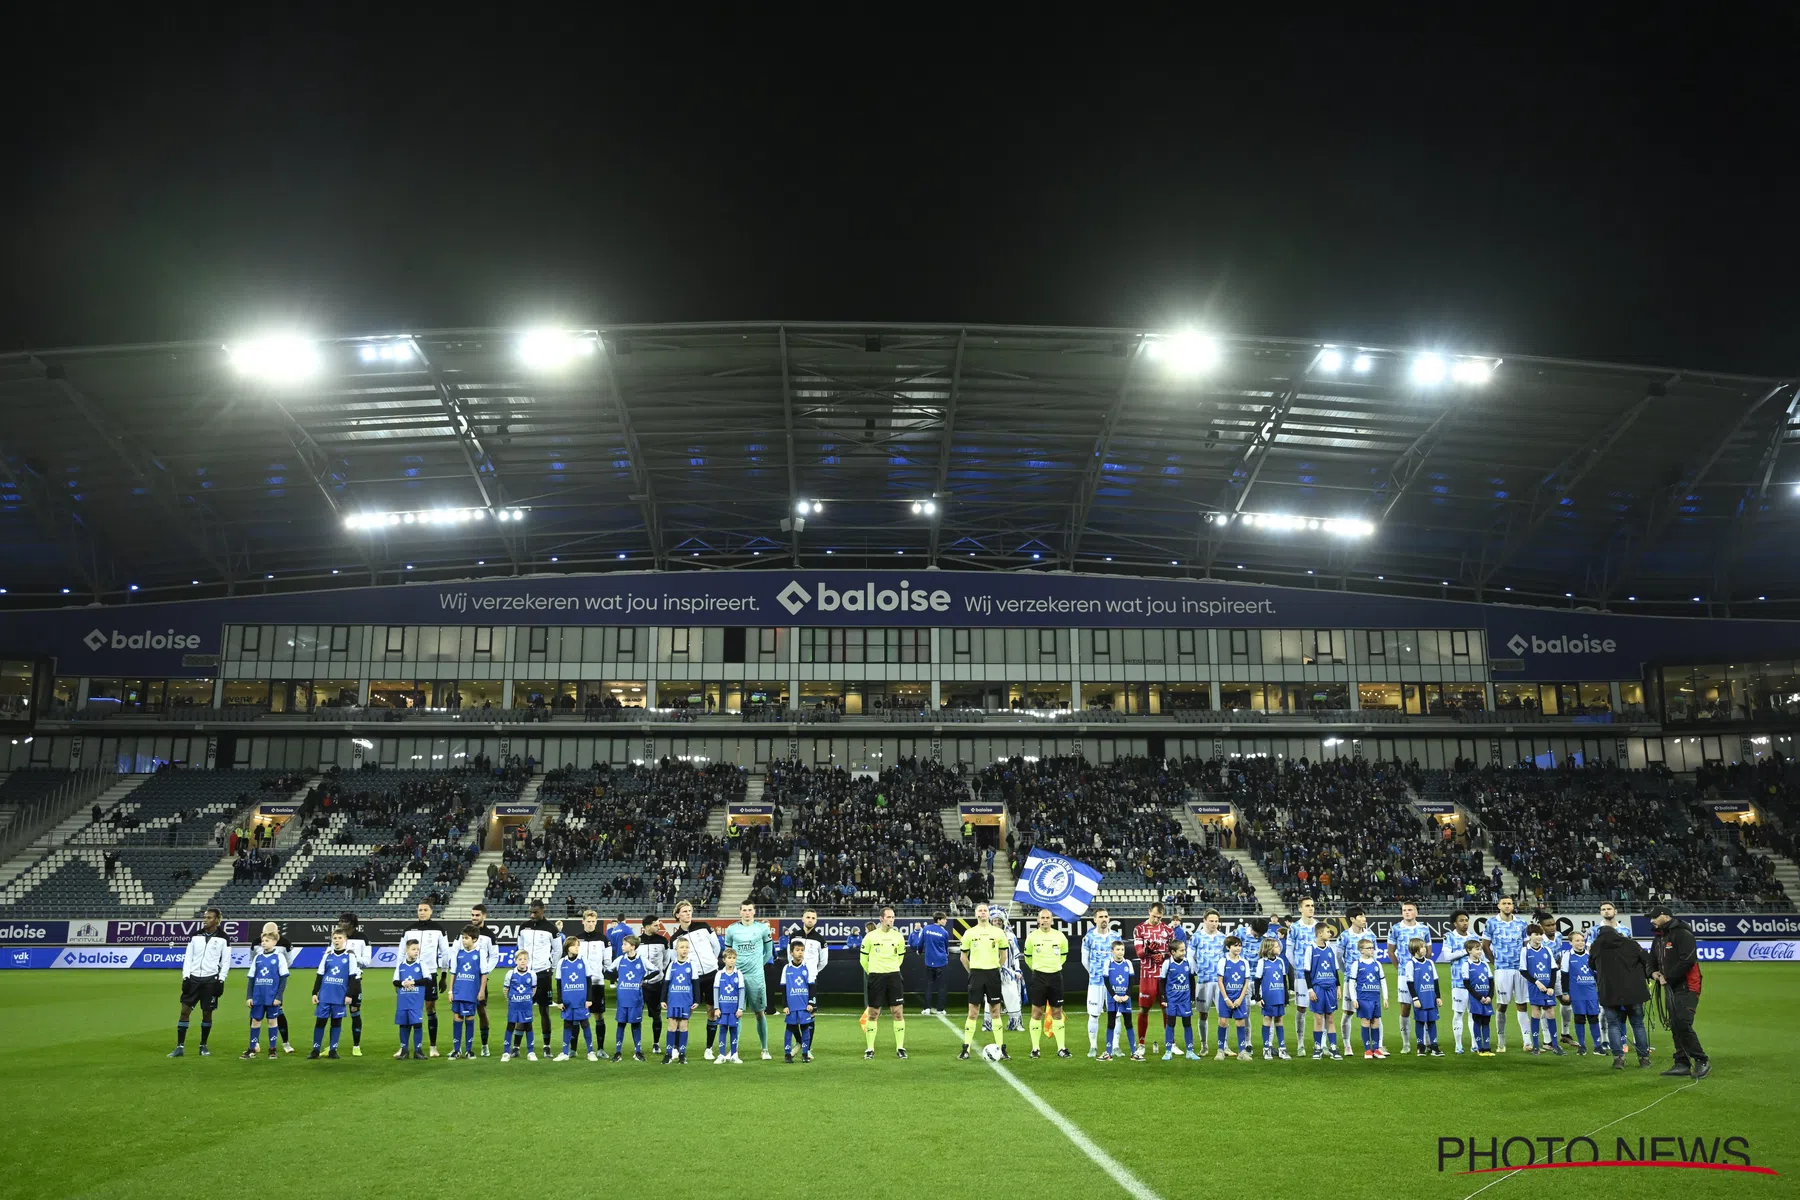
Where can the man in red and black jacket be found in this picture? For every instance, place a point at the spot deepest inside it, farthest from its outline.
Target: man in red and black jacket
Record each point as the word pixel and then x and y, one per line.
pixel 1675 965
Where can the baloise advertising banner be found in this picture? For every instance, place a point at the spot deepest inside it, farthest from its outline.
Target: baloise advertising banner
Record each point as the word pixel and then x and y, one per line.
pixel 152 639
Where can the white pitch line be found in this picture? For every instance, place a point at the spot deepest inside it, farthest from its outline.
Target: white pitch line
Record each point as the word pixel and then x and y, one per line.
pixel 1106 1162
pixel 1590 1133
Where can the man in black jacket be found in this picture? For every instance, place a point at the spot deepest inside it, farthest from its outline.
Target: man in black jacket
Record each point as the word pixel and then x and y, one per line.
pixel 1619 966
pixel 1675 965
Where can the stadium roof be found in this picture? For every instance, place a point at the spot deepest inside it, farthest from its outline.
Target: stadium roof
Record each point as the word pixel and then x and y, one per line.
pixel 190 466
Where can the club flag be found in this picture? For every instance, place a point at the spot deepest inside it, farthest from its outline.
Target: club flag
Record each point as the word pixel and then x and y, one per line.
pixel 1062 885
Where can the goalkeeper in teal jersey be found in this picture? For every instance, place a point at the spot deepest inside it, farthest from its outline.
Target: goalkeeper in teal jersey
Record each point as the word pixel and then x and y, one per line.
pixel 755 946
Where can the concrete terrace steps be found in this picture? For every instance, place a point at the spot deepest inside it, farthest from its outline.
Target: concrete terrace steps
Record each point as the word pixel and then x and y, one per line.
pixel 1787 872
pixel 474 885
pixel 290 871
pixel 204 889
pixel 1266 894
pixel 59 836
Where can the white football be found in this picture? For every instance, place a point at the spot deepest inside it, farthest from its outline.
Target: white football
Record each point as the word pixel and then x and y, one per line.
pixel 991 1052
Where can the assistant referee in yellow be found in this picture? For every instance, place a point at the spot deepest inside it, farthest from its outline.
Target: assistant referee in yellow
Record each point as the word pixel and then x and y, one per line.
pixel 883 950
pixel 1046 950
pixel 984 947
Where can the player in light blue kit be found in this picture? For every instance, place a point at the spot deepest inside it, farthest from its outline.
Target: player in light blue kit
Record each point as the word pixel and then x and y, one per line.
pixel 799 1004
pixel 1366 982
pixel 678 1003
pixel 573 983
pixel 1180 983
pixel 1096 954
pixel 1400 938
pixel 754 942
pixel 521 988
pixel 1506 935
pixel 410 978
pixel 1234 999
pixel 1422 985
pixel 1207 945
pixel 628 1000
pixel 1272 984
pixel 467 974
pixel 268 975
pixel 728 1001
pixel 1538 965
pixel 1117 982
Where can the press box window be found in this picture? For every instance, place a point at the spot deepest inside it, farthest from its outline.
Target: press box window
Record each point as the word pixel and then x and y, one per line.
pixel 340 639
pixel 1377 643
pixel 1459 643
pixel 959 642
pixel 484 639
pixel 1184 643
pixel 765 641
pixel 252 640
pixel 1047 641
pixel 1240 643
pixel 539 640
pixel 1102 643
pixel 627 643
pixel 678 640
pixel 396 640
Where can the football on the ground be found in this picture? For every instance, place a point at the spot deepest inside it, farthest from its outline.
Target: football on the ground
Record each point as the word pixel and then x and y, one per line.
pixel 991 1052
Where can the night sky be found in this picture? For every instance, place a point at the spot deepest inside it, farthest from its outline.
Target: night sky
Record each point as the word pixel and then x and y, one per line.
pixel 1615 190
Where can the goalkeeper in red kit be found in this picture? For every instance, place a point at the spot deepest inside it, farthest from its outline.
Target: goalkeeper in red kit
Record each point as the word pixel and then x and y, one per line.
pixel 1152 940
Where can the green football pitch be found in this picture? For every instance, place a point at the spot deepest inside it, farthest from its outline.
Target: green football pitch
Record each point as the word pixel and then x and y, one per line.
pixel 94 1108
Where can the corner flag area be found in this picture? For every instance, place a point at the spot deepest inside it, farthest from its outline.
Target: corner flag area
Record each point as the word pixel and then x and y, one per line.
pixel 98 1110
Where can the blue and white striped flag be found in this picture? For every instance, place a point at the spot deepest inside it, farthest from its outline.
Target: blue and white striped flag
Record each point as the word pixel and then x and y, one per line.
pixel 1062 885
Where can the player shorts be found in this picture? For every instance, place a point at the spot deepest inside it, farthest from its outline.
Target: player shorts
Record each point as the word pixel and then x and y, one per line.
pixel 517 1013
pixel 1584 1006
pixel 756 991
pixel 542 993
pixel 265 1012
pixel 1096 1000
pixel 1368 1007
pixel 629 1014
pixel 984 987
pixel 1539 996
pixel 462 1010
pixel 1274 1010
pixel 1149 987
pixel 1234 1012
pixel 1425 1011
pixel 1118 1004
pixel 728 1020
pixel 886 989
pixel 200 993
pixel 680 1010
pixel 330 1012
pixel 1509 987
pixel 1206 996
pixel 1326 1003
pixel 353 994
pixel 1403 989
pixel 1178 1008
pixel 703 989
pixel 1047 988
pixel 431 990
pixel 573 1015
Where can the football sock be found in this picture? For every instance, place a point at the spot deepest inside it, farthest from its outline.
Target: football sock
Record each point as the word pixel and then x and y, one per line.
pixel 1093 1032
pixel 431 1024
pixel 869 1032
pixel 1536 1032
pixel 712 1032
pixel 205 1030
pixel 969 1030
pixel 1318 1040
pixel 356 1029
pixel 1550 1028
pixel 481 1016
pixel 1376 1030
pixel 900 1033
pixel 1168 1032
pixel 337 1031
pixel 656 1029
pixel 1221 1037
pixel 255 1035
pixel 1281 1037
pixel 1331 1042
pixel 806 1032
pixel 637 1037
pixel 181 1028
pixel 999 1032
pixel 762 1029
pixel 1056 1028
pixel 281 1024
pixel 318 1033
pixel 1130 1041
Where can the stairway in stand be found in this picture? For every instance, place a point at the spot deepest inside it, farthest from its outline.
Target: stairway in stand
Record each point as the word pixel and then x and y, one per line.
pixel 1266 895
pixel 1787 874
pixel 474 885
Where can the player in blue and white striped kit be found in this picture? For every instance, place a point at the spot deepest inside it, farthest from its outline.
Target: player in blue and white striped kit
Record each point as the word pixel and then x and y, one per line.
pixel 1399 940
pixel 521 988
pixel 1506 933
pixel 728 1002
pixel 1180 984
pixel 573 982
pixel 1453 952
pixel 1272 985
pixel 1302 935
pixel 1096 954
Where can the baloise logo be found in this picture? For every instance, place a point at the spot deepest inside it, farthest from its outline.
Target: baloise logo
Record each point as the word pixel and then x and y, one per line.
pixel 147 640
pixel 867 598
pixel 1561 645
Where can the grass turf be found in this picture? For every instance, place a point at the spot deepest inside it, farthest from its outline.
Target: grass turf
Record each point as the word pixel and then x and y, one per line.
pixel 93 1106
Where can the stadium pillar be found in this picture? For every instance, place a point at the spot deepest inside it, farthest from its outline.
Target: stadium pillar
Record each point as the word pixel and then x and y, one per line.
pixel 1074 670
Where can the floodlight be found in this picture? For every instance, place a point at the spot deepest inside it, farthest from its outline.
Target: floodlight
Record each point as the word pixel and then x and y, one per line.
pixel 1363 364
pixel 1331 360
pixel 1473 370
pixel 553 347
pixel 1186 353
pixel 281 358
pixel 1428 369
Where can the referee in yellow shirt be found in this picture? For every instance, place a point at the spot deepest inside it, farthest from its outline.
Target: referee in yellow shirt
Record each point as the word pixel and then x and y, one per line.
pixel 1046 950
pixel 883 950
pixel 984 946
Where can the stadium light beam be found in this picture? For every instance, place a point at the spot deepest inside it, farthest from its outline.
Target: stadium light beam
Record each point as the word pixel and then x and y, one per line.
pixel 277 358
pixel 1186 353
pixel 553 348
pixel 1331 361
pixel 1429 369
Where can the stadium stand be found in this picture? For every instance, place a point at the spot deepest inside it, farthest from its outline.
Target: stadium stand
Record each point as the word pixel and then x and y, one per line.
pixel 848 841
pixel 112 882
pixel 181 807
pixel 635 833
pixel 1115 817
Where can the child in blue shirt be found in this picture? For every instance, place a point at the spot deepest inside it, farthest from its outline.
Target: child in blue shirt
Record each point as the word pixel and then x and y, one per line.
pixel 628 1000
pixel 1422 986
pixel 410 978
pixel 1234 999
pixel 572 980
pixel 521 987
pixel 1581 993
pixel 1322 992
pixel 1270 974
pixel 268 976
pixel 728 1001
pixel 797 989
pixel 466 976
pixel 1181 982
pixel 1478 983
pixel 1537 963
pixel 331 987
pixel 1116 978
pixel 1367 983
pixel 678 1003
